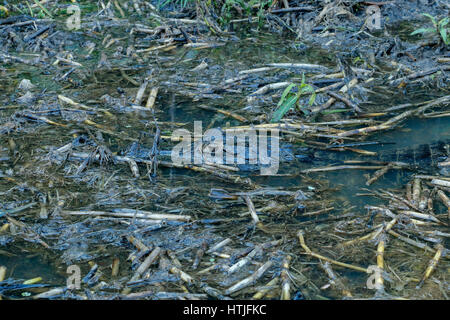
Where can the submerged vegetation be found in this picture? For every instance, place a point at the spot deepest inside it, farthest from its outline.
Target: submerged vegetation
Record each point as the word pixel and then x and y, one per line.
pixel 439 28
pixel 95 96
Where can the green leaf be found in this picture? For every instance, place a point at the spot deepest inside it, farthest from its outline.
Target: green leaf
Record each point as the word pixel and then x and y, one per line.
pixel 443 22
pixel 422 30
pixel 433 19
pixel 443 33
pixel 43 8
pixel 284 108
pixel 285 93
pixel 335 111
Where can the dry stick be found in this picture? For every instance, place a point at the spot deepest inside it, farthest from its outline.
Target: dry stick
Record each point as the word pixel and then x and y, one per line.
pixel 225 176
pixel 251 208
pixel 445 200
pixel 419 75
pixel 50 293
pixel 152 98
pixel 138 244
pixel 369 236
pixel 344 100
pixel 138 214
pixel 219 245
pixel 2 276
pixel 410 241
pixel 212 292
pixel 304 66
pixel 199 255
pixel 134 168
pixel 343 167
pixel 271 86
pixel 333 86
pixel 146 263
pixel 227 113
pixel 222 175
pixel 268 287
pixel 332 100
pixel 389 123
pixel 249 280
pixel 334 279
pixel 432 265
pixel 40 118
pixel 379 283
pixel 309 252
pixel 441 183
pixel 128 78
pixel 419 215
pixel 244 261
pixel 80 105
pixel 286 285
pixel 2 273
pixel 416 191
pixel 263 69
pixel 27 229
pixel 115 267
pixel 183 275
pixel 377 174
pixel 140 93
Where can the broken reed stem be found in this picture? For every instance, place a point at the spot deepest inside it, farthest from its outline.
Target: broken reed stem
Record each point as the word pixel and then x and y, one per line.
pixel 249 280
pixel 432 264
pixel 251 208
pixel 146 263
pixel 441 194
pixel 309 252
pixel 268 287
pixel 334 279
pixel 379 282
pixel 343 167
pixel 140 93
pixel 285 285
pixel 152 98
pixel 377 174
pixel 138 214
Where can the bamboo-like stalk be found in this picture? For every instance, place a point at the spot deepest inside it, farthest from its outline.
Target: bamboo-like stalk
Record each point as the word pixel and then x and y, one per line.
pixel 219 245
pixel 445 200
pixel 244 261
pixel 285 285
pixel 152 98
pixel 140 92
pixel 268 287
pixel 138 214
pixel 379 282
pixel 2 273
pixel 335 280
pixel 416 191
pixel 432 264
pixel 441 183
pixel 377 174
pixel 249 280
pixel 343 167
pixel 313 254
pixel 2 276
pixel 115 267
pixel 146 263
pixel 251 208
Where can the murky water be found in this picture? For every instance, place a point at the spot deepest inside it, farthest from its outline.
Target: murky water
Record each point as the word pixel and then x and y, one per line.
pixel 32 175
